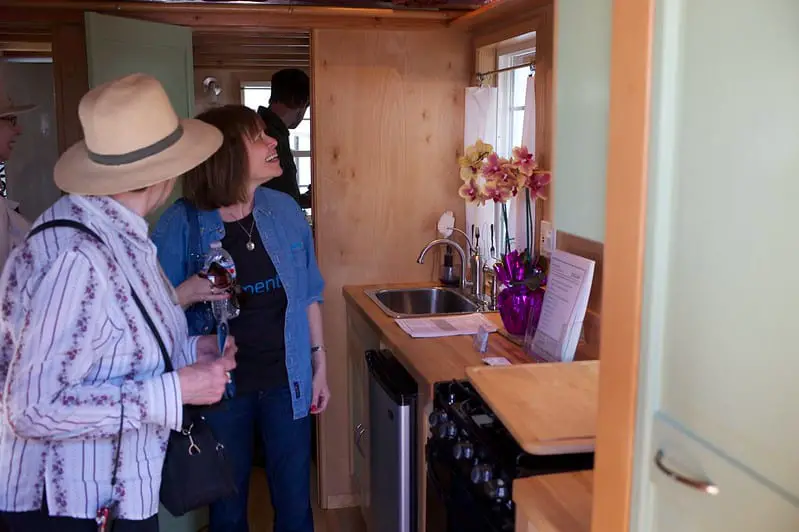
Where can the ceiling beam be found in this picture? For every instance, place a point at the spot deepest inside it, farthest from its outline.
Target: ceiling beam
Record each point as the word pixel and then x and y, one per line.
pixel 253 16
pixel 498 12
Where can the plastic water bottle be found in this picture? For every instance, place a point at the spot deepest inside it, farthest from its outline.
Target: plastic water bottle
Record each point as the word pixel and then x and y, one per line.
pixel 222 310
pixel 220 263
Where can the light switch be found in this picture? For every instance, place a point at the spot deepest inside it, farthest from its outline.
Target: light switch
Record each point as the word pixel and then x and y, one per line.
pixel 547 238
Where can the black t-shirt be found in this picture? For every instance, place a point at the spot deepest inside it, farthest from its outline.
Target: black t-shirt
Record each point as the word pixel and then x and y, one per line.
pixel 259 329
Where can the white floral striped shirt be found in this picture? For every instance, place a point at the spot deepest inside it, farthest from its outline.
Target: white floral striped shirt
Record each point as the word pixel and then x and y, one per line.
pixel 75 350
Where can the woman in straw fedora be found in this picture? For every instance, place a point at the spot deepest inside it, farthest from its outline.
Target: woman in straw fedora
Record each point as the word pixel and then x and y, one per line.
pixel 12 225
pixel 87 406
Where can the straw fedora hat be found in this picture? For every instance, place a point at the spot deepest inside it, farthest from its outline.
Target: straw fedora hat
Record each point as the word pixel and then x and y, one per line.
pixel 132 139
pixel 7 107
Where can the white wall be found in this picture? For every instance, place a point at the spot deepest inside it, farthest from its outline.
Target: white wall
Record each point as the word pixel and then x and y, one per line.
pixel 582 91
pixel 30 170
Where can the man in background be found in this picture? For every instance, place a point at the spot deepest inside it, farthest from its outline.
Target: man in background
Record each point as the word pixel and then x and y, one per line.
pixel 291 96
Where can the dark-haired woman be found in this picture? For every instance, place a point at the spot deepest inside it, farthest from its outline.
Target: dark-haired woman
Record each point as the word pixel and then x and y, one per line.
pixel 281 374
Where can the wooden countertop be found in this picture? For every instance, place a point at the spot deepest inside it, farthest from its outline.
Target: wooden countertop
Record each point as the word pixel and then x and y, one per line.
pixel 549 408
pixel 556 503
pixel 430 360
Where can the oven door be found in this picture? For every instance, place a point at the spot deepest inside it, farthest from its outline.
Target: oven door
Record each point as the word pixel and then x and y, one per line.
pixel 452 505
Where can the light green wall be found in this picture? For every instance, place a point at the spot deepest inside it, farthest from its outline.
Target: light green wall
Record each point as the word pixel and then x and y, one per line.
pixel 582 88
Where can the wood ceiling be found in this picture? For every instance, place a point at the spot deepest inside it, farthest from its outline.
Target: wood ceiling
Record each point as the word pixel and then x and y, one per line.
pixel 251 51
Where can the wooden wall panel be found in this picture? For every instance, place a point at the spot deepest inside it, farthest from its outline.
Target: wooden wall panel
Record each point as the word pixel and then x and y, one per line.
pixel 388 128
pixel 588 349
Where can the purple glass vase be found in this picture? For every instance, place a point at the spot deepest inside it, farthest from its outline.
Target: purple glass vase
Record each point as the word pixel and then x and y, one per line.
pixel 515 304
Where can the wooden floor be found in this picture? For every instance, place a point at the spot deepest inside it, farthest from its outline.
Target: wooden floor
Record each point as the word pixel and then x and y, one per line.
pixel 345 520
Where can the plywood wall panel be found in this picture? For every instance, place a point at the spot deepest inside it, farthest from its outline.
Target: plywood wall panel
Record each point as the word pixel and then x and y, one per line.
pixel 388 127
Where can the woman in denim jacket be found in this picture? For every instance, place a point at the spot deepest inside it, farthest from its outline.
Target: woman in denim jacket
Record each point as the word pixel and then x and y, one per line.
pixel 281 374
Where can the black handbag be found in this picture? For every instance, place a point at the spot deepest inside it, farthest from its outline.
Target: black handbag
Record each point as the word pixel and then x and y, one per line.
pixel 196 472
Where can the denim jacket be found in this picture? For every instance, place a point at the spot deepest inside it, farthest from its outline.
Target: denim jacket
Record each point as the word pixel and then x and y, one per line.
pixel 182 247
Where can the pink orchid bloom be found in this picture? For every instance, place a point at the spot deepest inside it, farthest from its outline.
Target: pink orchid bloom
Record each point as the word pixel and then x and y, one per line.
pixel 472 192
pixel 493 165
pixel 524 160
pixel 499 190
pixel 537 181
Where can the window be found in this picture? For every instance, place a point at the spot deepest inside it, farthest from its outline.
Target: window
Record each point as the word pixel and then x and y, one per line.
pixel 512 87
pixel 257 94
pixel 512 93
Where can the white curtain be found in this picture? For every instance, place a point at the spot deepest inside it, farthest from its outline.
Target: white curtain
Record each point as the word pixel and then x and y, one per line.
pixel 480 124
pixel 528 130
pixel 517 218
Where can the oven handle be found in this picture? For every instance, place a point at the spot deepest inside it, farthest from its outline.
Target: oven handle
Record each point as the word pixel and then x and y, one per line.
pixel 433 478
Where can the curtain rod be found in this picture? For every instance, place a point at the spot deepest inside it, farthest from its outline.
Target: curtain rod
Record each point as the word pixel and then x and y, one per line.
pixel 482 75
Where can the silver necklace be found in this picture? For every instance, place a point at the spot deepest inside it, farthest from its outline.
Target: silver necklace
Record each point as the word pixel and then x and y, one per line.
pixel 250 244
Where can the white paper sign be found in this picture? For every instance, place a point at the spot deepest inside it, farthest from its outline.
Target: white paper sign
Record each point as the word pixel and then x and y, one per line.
pixel 565 303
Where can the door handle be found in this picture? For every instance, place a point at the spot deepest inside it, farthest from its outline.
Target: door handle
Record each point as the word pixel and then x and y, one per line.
pixel 705 486
pixel 359 432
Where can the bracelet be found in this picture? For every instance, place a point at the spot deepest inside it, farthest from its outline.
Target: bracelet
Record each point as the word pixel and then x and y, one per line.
pixel 315 348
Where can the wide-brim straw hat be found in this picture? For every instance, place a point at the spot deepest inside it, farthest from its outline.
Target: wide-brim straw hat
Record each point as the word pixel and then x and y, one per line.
pixel 8 108
pixel 133 139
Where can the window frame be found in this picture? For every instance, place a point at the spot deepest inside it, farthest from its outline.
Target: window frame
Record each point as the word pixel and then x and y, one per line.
pixel 519 53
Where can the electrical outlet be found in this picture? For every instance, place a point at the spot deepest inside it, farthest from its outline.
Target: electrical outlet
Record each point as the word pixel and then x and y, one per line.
pixel 547 238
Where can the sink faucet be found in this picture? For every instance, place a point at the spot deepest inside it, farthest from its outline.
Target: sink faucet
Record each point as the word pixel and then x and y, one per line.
pixel 458 248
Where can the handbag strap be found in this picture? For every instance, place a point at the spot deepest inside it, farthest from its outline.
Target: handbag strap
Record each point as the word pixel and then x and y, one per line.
pixel 167 362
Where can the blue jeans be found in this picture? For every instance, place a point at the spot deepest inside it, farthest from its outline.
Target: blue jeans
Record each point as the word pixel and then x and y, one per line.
pixel 287 446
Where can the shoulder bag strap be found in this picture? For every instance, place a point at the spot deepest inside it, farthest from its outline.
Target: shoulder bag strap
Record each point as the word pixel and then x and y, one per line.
pixel 80 227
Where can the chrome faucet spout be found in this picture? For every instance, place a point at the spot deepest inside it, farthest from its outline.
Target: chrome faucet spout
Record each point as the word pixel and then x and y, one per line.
pixel 446 242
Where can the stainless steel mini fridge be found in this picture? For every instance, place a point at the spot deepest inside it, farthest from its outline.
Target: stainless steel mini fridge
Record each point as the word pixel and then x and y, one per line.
pixel 393 454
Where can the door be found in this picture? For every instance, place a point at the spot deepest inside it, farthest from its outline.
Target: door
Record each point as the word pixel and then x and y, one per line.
pixel 118 46
pixel 718 398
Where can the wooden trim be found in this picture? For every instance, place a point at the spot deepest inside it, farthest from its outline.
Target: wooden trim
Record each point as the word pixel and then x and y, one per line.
pixel 242 16
pixel 498 12
pixel 71 77
pixel 505 32
pixel 625 216
pixel 544 107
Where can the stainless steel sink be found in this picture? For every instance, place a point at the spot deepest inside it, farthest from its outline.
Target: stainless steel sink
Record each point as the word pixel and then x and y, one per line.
pixel 415 302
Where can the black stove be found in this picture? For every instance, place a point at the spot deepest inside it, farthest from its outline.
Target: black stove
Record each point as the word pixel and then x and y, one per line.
pixel 473 460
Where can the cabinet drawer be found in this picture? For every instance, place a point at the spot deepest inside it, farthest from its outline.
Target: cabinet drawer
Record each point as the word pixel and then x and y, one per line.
pixel 744 502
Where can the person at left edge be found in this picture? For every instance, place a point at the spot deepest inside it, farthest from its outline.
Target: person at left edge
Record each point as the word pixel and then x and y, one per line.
pixel 12 225
pixel 87 406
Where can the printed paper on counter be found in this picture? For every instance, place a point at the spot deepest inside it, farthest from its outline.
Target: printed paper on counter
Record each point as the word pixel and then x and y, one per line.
pixel 565 303
pixel 441 326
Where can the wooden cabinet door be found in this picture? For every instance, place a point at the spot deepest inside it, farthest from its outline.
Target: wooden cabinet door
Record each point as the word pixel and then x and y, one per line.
pixel 733 500
pixel 360 339
pixel 719 347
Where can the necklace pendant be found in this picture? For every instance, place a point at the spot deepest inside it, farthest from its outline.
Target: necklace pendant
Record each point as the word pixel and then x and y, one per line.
pixel 250 245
